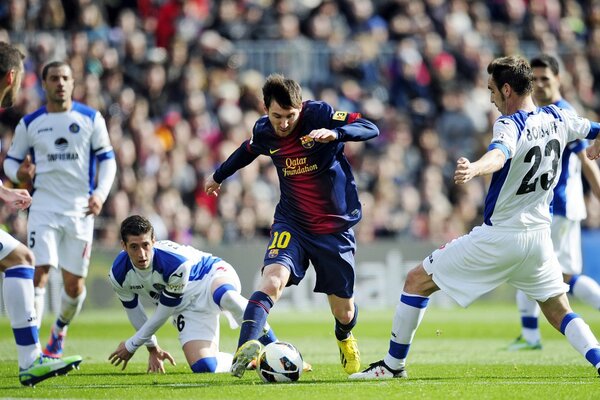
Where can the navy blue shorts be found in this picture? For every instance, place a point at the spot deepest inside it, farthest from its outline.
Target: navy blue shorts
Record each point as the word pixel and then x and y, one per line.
pixel 332 256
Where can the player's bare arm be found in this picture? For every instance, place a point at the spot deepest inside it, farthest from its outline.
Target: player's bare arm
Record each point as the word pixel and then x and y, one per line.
pixel 120 355
pixel 26 170
pixel 323 135
pixel 491 162
pixel 156 358
pixel 593 151
pixel 211 187
pixel 94 205
pixel 591 171
pixel 18 199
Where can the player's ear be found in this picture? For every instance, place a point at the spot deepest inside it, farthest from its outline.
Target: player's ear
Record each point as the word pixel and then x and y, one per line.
pixel 124 245
pixel 10 76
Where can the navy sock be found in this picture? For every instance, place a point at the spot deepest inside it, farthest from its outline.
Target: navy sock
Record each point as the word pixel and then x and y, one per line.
pixel 255 316
pixel 343 331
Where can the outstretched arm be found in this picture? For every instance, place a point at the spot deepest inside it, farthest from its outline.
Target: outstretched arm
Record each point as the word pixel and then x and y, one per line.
pixel 591 172
pixel 489 163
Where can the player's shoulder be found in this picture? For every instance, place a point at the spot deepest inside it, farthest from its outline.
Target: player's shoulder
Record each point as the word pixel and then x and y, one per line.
pixel 316 108
pixel 29 118
pixel 84 110
pixel 120 267
pixel 262 125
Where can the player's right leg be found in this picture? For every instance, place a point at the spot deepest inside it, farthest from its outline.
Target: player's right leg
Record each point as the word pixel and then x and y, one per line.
pixel 274 280
pixel 16 261
pixel 530 338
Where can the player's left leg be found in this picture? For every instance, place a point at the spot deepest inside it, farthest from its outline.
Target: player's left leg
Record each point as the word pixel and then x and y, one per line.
pixel 198 327
pixel 345 313
pixel 17 291
pixel 560 315
pixel 409 313
pixel 74 245
pixel 204 356
pixel 72 297
pixel 530 338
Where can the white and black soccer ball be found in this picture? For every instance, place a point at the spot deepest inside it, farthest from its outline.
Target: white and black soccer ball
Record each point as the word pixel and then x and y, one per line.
pixel 279 362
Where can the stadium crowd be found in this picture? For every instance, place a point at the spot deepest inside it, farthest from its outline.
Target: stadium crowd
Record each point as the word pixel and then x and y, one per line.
pixel 176 83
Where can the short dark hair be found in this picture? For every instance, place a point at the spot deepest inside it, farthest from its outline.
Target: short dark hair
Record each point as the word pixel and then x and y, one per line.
pixel 513 70
pixel 53 64
pixel 10 58
pixel 286 92
pixel 135 225
pixel 545 61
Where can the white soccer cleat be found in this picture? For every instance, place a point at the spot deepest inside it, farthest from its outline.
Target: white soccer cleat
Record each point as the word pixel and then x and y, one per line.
pixel 379 370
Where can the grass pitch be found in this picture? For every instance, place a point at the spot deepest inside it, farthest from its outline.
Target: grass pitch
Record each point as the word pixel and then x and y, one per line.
pixel 457 354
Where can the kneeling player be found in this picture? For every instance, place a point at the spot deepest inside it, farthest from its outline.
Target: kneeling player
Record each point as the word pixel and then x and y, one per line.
pixel 190 286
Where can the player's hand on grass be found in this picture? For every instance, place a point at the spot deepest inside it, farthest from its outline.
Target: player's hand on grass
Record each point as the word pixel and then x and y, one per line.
pixel 211 187
pixel 120 355
pixel 156 359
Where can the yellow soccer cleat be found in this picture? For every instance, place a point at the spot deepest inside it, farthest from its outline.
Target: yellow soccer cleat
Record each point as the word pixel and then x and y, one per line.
pixel 349 354
pixel 244 356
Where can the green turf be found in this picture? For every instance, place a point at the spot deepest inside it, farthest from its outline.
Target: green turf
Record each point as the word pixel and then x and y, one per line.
pixel 457 354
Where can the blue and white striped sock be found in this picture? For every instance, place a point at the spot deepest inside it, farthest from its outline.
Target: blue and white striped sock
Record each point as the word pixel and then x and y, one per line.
pixel 408 316
pixel 17 290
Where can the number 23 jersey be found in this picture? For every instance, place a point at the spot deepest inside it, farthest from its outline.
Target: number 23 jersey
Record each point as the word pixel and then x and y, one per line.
pixel 521 191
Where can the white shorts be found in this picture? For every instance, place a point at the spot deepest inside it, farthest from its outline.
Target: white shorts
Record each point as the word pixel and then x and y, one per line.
pixel 487 257
pixel 59 240
pixel 566 237
pixel 199 317
pixel 7 244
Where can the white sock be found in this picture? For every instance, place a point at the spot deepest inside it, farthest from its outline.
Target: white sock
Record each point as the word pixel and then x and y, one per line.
pixel 408 316
pixel 588 290
pixel 233 302
pixel 530 311
pixel 17 289
pixel 224 361
pixel 579 334
pixel 40 303
pixel 69 308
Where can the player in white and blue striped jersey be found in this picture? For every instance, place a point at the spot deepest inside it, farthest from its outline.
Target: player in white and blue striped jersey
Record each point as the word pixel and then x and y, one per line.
pixel 16 260
pixel 187 285
pixel 514 243
pixel 64 151
pixel 568 210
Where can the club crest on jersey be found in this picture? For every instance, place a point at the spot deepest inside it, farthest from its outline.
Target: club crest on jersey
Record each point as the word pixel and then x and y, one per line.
pixel 74 128
pixel 340 116
pixel 61 144
pixel 307 142
pixel 273 253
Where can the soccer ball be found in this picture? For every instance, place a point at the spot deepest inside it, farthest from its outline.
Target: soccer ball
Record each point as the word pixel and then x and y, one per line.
pixel 279 362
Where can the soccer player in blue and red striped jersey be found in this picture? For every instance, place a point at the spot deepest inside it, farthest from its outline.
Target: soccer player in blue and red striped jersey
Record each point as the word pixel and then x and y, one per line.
pixel 314 217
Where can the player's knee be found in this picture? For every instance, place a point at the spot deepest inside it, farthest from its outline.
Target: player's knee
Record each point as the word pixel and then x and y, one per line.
pixel 204 365
pixel 21 255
